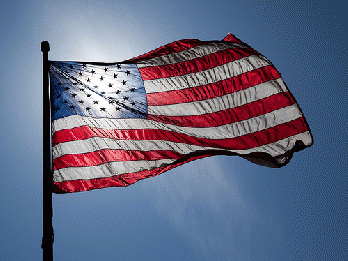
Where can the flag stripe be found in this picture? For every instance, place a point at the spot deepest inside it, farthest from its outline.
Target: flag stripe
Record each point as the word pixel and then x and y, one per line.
pixel 237 114
pixel 209 76
pixel 114 181
pixel 176 47
pixel 212 90
pixel 98 143
pixel 247 141
pixel 104 156
pixel 186 49
pixel 108 169
pixel 196 59
pixel 224 102
pixel 118 168
pixel 176 133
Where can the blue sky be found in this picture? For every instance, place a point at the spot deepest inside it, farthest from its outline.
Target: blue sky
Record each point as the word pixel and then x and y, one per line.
pixel 220 208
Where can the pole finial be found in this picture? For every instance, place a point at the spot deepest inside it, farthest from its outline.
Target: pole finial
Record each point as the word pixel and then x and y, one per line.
pixel 45 46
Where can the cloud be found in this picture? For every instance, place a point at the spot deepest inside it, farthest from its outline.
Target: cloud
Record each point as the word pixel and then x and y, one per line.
pixel 205 208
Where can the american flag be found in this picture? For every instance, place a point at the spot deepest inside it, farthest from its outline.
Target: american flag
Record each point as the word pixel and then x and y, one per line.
pixel 115 124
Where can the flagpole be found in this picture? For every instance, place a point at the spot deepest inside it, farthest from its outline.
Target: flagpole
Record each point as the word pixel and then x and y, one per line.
pixel 47 235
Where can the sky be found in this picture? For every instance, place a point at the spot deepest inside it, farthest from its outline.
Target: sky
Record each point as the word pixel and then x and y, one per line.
pixel 218 208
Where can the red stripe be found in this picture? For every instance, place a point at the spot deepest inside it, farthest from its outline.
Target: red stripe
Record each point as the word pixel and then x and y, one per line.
pixel 179 46
pixel 175 47
pixel 123 180
pixel 213 90
pixel 195 65
pixel 238 143
pixel 96 158
pixel 231 38
pixel 240 113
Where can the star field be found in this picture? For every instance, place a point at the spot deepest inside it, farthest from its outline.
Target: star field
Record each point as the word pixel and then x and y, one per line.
pixel 87 89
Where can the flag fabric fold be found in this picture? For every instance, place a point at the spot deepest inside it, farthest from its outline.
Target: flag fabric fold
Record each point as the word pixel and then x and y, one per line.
pixel 116 123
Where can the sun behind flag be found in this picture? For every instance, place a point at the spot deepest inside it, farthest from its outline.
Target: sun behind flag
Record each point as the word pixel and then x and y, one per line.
pixel 115 124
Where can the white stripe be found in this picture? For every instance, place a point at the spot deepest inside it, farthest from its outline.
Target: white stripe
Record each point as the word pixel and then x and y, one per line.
pixel 232 130
pixel 117 168
pixel 221 103
pixel 213 75
pixel 108 169
pixel 190 54
pixel 280 147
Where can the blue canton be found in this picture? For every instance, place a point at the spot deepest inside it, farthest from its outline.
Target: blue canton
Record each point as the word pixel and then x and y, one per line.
pixel 97 90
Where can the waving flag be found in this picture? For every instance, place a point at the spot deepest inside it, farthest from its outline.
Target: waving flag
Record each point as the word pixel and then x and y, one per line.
pixel 115 124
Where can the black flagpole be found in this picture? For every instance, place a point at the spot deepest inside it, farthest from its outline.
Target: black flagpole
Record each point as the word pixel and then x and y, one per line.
pixel 47 235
